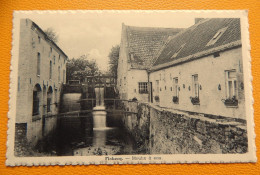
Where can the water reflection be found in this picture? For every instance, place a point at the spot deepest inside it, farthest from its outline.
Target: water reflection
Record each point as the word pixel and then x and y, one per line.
pixel 71 102
pixel 99 146
pixel 99 138
pixel 76 136
pixel 99 117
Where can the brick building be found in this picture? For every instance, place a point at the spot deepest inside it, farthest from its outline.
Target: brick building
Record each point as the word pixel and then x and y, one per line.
pixel 41 73
pixel 200 70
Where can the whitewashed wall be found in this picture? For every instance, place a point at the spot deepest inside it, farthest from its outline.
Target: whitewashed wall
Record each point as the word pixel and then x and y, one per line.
pixel 211 74
pixel 134 77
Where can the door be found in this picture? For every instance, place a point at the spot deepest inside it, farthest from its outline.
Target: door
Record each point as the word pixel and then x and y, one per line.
pixel 151 92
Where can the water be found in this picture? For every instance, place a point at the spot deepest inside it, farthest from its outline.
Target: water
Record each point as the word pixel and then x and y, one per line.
pixel 76 137
pixel 96 133
pixel 99 91
pixel 99 113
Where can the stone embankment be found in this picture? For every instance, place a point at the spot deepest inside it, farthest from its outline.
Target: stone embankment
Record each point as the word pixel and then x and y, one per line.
pixel 166 131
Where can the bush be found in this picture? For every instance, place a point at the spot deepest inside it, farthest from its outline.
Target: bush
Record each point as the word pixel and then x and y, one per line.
pixel 195 100
pixel 175 99
pixel 134 99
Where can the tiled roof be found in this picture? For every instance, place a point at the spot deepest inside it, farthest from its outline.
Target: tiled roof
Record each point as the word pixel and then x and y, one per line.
pixel 196 38
pixel 144 42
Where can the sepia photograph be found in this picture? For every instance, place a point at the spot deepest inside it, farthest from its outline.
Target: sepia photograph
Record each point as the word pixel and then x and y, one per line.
pixel 109 87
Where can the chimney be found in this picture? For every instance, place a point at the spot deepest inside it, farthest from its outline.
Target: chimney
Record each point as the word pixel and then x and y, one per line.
pixel 197 20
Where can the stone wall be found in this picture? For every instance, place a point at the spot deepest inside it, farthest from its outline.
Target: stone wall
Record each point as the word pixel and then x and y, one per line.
pixel 165 131
pixel 29 136
pixel 137 124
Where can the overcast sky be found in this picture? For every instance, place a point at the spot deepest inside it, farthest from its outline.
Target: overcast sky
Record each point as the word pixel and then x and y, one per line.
pixel 95 33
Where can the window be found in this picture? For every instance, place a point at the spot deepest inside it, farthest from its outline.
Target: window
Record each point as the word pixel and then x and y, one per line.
pixel 64 73
pixel 36 99
pixel 175 98
pixel 59 73
pixel 157 87
pixel 175 87
pixel 50 51
pixel 33 27
pixel 56 96
pixel 49 99
pixel 215 38
pixel 124 80
pixel 50 73
pixel 54 59
pixel 59 58
pixel 195 85
pixel 39 39
pixel 178 51
pixel 195 90
pixel 143 87
pixel 231 84
pixel 38 64
pixel 33 43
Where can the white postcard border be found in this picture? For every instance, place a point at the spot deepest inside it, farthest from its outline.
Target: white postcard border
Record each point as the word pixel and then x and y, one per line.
pixel 250 156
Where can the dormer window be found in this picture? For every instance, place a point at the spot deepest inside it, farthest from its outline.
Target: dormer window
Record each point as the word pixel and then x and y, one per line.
pixel 178 51
pixel 217 36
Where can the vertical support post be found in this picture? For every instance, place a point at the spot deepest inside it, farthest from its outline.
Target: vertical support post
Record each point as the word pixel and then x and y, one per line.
pixel 114 104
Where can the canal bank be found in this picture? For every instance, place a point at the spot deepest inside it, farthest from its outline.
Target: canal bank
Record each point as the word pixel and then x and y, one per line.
pixel 167 131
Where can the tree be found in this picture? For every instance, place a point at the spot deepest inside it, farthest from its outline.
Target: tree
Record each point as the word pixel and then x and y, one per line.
pixel 79 68
pixel 113 60
pixel 52 35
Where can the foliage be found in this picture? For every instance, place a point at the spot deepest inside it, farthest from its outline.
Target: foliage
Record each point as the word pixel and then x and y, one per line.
pixel 134 99
pixel 113 60
pixel 195 100
pixel 52 35
pixel 175 99
pixel 231 101
pixel 78 69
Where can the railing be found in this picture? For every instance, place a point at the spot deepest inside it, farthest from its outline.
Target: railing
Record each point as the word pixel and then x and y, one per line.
pixel 115 106
pixel 115 102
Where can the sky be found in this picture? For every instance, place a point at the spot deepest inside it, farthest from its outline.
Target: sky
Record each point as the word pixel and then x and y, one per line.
pixel 95 32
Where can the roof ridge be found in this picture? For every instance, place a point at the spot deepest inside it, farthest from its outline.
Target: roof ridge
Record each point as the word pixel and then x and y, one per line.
pixel 46 36
pixel 153 28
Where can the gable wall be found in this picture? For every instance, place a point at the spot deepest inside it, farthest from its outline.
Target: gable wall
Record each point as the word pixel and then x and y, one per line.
pixel 134 77
pixel 122 70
